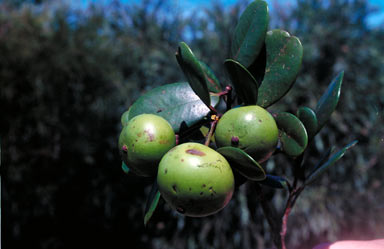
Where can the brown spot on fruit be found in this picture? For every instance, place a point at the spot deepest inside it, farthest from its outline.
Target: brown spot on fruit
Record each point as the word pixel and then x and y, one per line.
pixel 195 152
pixel 182 160
pixel 163 141
pixel 165 171
pixel 203 186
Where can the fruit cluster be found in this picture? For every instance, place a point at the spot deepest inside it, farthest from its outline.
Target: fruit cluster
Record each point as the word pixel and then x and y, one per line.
pixel 198 140
pixel 193 178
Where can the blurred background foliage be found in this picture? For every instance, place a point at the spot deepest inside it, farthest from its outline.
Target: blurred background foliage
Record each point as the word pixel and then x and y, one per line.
pixel 67 74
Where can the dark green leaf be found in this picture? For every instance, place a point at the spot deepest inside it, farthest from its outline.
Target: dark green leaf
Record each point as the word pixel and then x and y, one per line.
pixel 328 102
pixel 176 102
pixel 308 118
pixel 243 81
pixel 334 158
pixel 293 136
pixel 250 33
pixel 125 168
pixel 212 81
pixel 275 182
pixel 194 72
pixel 243 162
pixel 152 201
pixel 284 57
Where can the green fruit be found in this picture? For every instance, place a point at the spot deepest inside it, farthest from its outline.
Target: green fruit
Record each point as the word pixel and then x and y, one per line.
pixel 250 128
pixel 144 141
pixel 195 180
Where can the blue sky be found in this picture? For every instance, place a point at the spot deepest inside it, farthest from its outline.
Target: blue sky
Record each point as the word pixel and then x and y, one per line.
pixel 188 5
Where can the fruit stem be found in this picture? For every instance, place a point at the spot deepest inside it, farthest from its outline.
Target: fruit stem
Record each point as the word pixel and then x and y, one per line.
pixel 211 129
pixel 293 195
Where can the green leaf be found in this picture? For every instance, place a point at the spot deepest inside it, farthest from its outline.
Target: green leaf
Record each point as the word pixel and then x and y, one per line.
pixel 328 102
pixel 194 72
pixel 275 182
pixel 334 158
pixel 309 119
pixel 250 33
pixel 125 168
pixel 243 81
pixel 152 202
pixel 292 133
pixel 284 57
pixel 125 118
pixel 213 83
pixel 243 162
pixel 176 102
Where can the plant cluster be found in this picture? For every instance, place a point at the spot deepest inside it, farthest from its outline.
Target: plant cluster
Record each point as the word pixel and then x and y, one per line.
pixel 198 140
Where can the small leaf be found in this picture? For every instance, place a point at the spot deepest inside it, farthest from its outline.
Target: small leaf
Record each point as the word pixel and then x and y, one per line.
pixel 213 83
pixel 284 56
pixel 275 182
pixel 243 162
pixel 243 81
pixel 152 201
pixel 176 102
pixel 292 133
pixel 250 33
pixel 328 102
pixel 308 118
pixel 125 168
pixel 335 157
pixel 194 72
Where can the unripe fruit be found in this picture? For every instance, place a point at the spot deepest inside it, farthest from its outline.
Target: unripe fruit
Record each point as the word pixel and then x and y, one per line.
pixel 195 180
pixel 250 128
pixel 144 141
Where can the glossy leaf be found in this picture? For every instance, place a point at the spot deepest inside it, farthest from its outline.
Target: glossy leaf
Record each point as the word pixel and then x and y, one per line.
pixel 176 102
pixel 328 102
pixel 275 182
pixel 309 119
pixel 194 72
pixel 284 56
pixel 292 133
pixel 213 83
pixel 243 81
pixel 250 33
pixel 152 202
pixel 334 158
pixel 125 168
pixel 243 162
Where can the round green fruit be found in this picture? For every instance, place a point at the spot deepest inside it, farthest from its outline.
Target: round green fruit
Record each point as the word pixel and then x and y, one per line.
pixel 144 141
pixel 250 128
pixel 195 180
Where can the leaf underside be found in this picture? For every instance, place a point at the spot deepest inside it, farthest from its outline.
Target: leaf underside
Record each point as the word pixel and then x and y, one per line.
pixel 177 103
pixel 152 202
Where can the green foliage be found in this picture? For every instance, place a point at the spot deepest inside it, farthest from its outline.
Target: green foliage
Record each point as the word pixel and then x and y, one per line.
pixel 194 72
pixel 308 117
pixel 250 32
pixel 284 55
pixel 177 103
pixel 292 133
pixel 152 202
pixel 243 163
